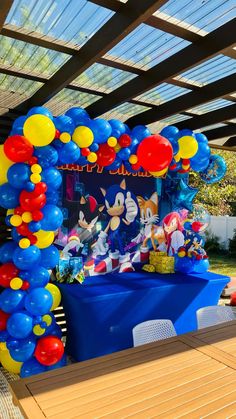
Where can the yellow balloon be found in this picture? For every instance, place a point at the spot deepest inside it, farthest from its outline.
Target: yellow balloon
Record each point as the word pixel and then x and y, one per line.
pixel 38 330
pixel 56 295
pixel 112 141
pixel 65 137
pixel 160 173
pixel 16 283
pixel 36 168
pixel 92 157
pixel 24 243
pixel 83 136
pixel 39 130
pixel 188 147
pixel 44 238
pixel 35 178
pixel 27 217
pixel 177 157
pixel 5 163
pixel 16 220
pixel 117 148
pixel 9 363
pixel 133 159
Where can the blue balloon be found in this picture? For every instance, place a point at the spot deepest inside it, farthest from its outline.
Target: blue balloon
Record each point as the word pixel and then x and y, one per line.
pixel 101 130
pixel 4 335
pixel 200 165
pixel 141 132
pixel 23 349
pixel 38 301
pixel 53 330
pixel 118 128
pixel 49 257
pixel 124 153
pixel 184 133
pixel 184 265
pixel 30 186
pixel 129 167
pixel 31 367
pixel 15 235
pixel 26 258
pixel 127 129
pixel 134 145
pixel 37 277
pixel 47 156
pixel 200 266
pixel 52 197
pixel 64 123
pixel 169 132
pixel 57 144
pixel 52 177
pixel 79 115
pixel 115 165
pixel 18 123
pixel 6 251
pixel 61 363
pixel 11 300
pixel 52 218
pixel 7 220
pixel 94 147
pixel 203 152
pixel 69 153
pixel 174 144
pixel 34 226
pixel 82 161
pixel 9 196
pixel 201 138
pixel 215 171
pixel 41 111
pixel 18 175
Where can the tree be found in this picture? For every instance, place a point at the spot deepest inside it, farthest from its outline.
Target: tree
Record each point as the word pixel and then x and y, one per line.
pixel 218 198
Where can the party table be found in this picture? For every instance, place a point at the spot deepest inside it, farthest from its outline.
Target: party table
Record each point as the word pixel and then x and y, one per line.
pixel 101 313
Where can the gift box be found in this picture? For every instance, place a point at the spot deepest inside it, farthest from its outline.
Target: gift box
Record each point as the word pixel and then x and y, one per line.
pixel 149 268
pixel 154 257
pixel 165 265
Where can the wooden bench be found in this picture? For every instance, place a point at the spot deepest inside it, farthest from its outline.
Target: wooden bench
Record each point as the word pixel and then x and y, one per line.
pixel 191 376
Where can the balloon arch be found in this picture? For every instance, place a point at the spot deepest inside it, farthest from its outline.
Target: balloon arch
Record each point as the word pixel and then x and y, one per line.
pixel 30 338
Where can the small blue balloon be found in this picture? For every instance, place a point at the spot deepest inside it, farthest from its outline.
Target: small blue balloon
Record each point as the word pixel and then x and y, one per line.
pixel 7 220
pixel 61 363
pixel 200 165
pixel 26 258
pixel 37 277
pixel 23 349
pixel 12 300
pixel 31 367
pixel 129 167
pixel 52 197
pixel 52 217
pixel 124 153
pixel 169 132
pixel 9 196
pixel 101 130
pixel 38 301
pixel 201 138
pixel 175 145
pixel 49 257
pixel 53 330
pixel 41 111
pixel 52 177
pixel 18 123
pixel 127 129
pixel 4 335
pixel 82 161
pixel 184 133
pixel 47 156
pixel 6 251
pixel 94 147
pixel 15 235
pixel 79 115
pixel 115 165
pixel 34 226
pixel 57 144
pixel 200 266
pixel 203 153
pixel 118 127
pixel 30 187
pixel 64 123
pixel 18 175
pixel 134 145
pixel 69 153
pixel 184 265
pixel 141 132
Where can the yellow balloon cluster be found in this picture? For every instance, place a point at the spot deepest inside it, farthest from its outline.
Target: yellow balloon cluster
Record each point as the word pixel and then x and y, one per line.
pixel 9 363
pixel 44 238
pixel 188 147
pixel 56 295
pixel 5 164
pixel 83 136
pixel 39 130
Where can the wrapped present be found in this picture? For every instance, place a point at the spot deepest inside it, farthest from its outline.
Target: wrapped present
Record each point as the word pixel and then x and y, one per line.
pixel 149 268
pixel 154 257
pixel 165 265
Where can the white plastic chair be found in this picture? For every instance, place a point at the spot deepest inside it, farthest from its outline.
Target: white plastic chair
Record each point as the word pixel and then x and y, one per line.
pixel 212 315
pixel 152 330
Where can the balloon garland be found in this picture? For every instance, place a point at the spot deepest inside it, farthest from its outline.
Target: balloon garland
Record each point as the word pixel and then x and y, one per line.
pixel 30 340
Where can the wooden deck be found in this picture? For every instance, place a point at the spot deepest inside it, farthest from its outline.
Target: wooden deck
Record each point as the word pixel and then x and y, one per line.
pixel 189 376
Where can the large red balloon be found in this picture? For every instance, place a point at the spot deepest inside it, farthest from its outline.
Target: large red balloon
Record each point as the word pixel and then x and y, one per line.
pixel 18 149
pixel 49 350
pixel 30 202
pixel 7 272
pixel 106 155
pixel 3 320
pixel 154 153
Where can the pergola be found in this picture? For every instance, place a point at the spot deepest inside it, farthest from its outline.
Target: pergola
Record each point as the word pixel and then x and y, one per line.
pixel 152 62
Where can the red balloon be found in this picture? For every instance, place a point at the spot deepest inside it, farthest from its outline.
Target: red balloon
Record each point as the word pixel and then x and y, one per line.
pixel 30 202
pixel 37 215
pixel 18 149
pixel 85 151
pixel 23 230
pixel 49 350
pixel 3 320
pixel 33 160
pixel 25 285
pixel 136 166
pixel 154 153
pixel 7 272
pixel 40 188
pixel 19 211
pixel 106 155
pixel 124 140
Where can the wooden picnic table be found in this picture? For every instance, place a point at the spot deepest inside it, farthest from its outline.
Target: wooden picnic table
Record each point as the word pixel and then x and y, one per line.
pixel 188 376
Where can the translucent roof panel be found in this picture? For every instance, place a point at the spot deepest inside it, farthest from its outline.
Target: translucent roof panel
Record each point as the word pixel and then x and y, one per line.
pixel 68 98
pixel 211 70
pixel 212 126
pixel 30 57
pixel 145 47
pixel 162 94
pixel 199 16
pixel 103 78
pixel 210 106
pixel 124 111
pixel 14 90
pixel 73 21
pixel 157 126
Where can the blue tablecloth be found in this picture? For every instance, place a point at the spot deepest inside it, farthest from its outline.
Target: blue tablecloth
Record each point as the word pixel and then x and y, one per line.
pixel 101 313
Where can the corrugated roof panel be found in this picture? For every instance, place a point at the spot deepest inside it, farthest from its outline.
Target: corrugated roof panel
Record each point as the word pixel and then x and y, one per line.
pixel 67 98
pixel 156 127
pixel 212 126
pixel 103 78
pixel 162 94
pixel 73 21
pixel 210 106
pixel 30 57
pixel 199 16
pixel 14 90
pixel 124 111
pixel 209 71
pixel 145 47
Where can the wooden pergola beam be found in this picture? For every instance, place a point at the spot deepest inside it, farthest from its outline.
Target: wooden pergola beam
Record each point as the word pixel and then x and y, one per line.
pixel 5 6
pixel 221 132
pixel 209 118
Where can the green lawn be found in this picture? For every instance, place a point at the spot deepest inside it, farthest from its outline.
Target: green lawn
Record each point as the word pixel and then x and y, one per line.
pixel 223 264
